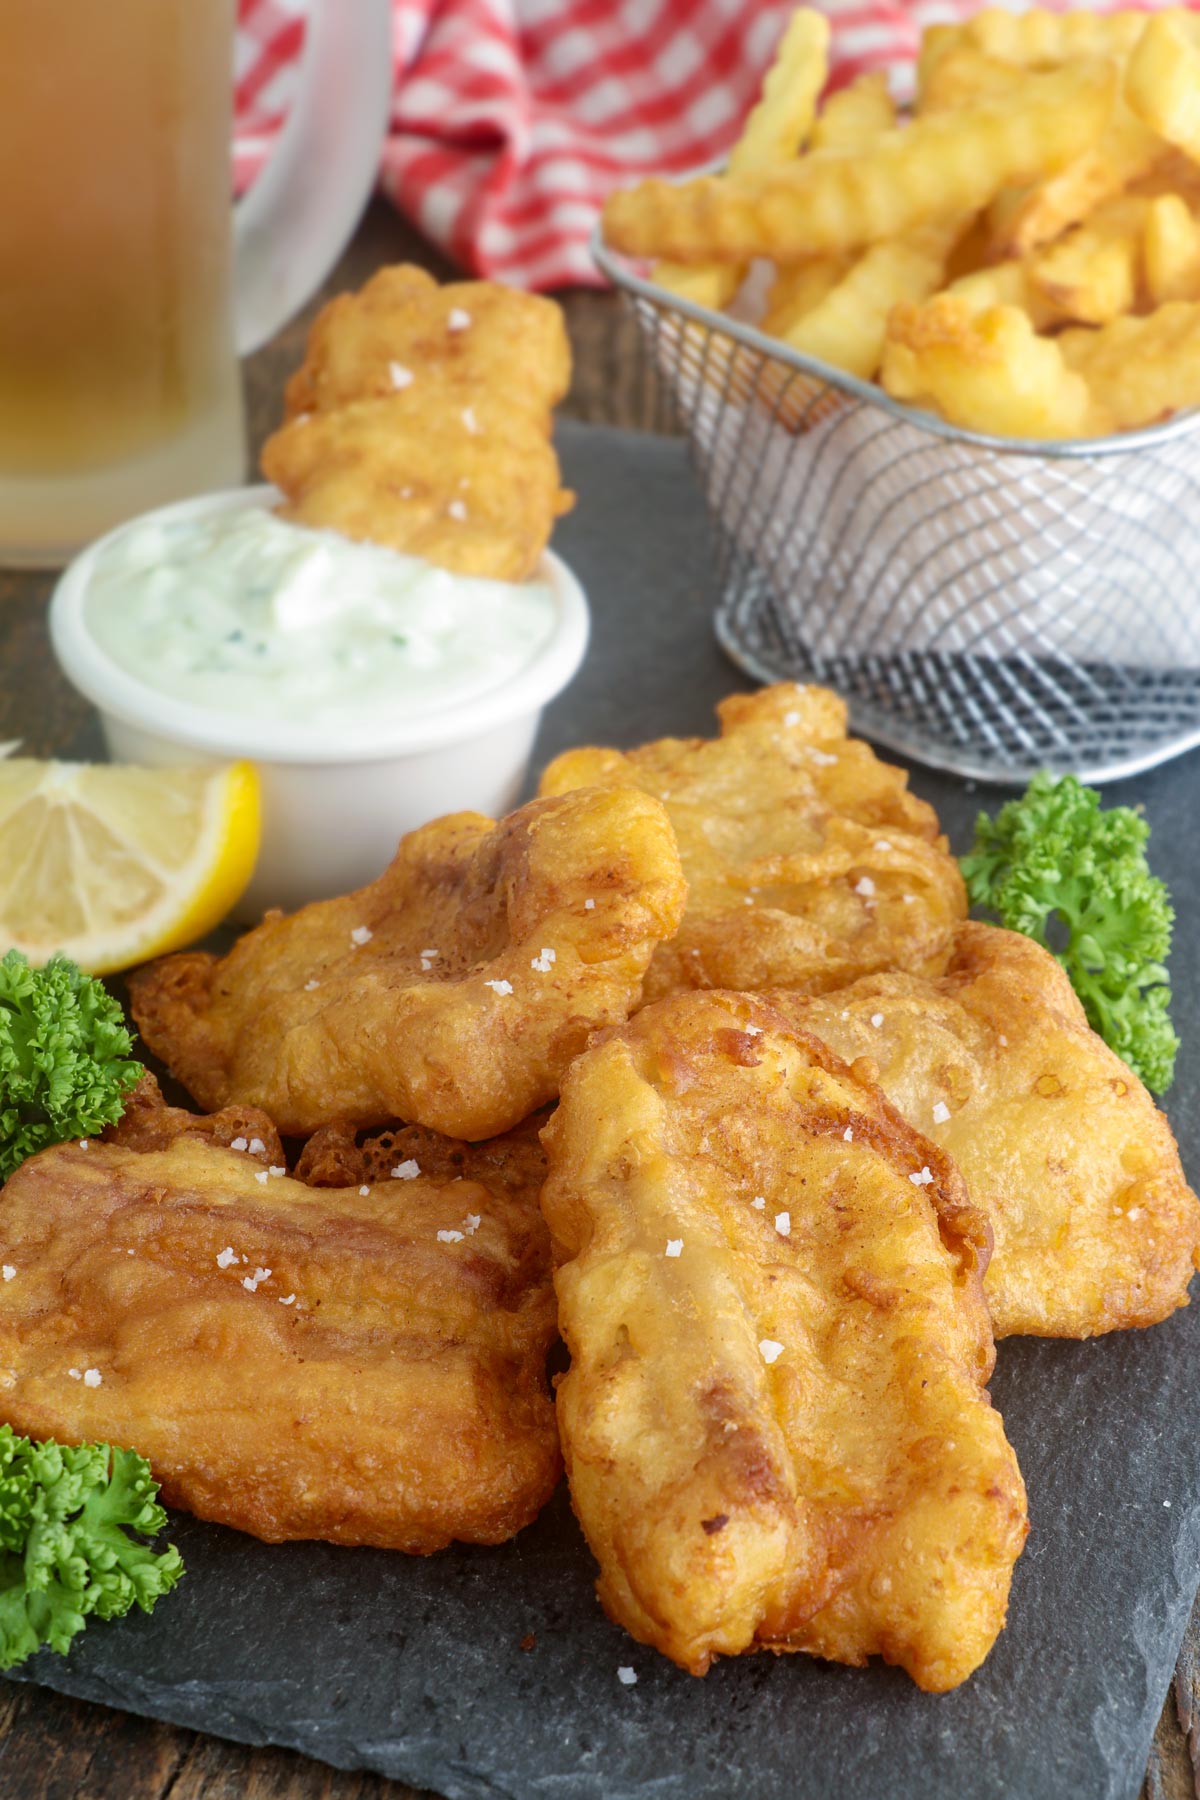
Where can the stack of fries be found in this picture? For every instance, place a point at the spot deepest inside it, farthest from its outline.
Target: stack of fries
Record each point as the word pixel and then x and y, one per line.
pixel 1022 256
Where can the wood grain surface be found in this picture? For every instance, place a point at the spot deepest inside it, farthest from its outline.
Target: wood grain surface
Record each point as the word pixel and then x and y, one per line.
pixel 54 1748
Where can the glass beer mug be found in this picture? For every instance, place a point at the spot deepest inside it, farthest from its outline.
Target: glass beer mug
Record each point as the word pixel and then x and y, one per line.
pixel 128 287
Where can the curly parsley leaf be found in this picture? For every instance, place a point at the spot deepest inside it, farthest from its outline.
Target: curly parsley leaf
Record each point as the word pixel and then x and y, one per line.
pixel 67 1513
pixel 1073 875
pixel 64 1057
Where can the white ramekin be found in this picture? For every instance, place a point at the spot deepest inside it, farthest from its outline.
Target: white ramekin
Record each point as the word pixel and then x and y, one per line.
pixel 331 819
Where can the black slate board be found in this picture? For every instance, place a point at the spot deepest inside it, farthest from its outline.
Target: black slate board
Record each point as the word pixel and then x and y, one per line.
pixel 415 1669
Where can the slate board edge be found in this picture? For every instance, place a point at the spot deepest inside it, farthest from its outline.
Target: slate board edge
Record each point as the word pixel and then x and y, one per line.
pixel 423 1766
pixel 209 1714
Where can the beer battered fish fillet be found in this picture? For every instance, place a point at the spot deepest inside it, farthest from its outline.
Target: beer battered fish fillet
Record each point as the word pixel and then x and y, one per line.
pixel 1059 1144
pixel 421 418
pixel 477 498
pixel 475 334
pixel 775 1425
pixel 452 992
pixel 807 860
pixel 292 1361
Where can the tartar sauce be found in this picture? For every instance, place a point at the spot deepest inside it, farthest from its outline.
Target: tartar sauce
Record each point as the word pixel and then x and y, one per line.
pixel 242 612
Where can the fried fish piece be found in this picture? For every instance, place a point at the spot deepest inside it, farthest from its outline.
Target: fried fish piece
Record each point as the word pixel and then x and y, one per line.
pixel 421 418
pixel 452 992
pixel 1060 1145
pixel 468 488
pixel 775 1424
pixel 807 860
pixel 474 335
pixel 365 1368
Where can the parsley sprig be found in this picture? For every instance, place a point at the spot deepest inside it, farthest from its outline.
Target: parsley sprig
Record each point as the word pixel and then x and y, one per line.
pixel 1055 864
pixel 64 1057
pixel 67 1513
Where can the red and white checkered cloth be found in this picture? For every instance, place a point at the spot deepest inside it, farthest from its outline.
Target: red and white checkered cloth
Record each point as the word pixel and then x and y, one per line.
pixel 514 119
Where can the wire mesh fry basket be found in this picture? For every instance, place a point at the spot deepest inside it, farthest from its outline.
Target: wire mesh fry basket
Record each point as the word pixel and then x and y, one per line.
pixel 988 606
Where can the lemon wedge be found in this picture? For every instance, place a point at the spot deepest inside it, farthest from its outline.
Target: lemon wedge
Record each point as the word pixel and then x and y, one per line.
pixel 114 864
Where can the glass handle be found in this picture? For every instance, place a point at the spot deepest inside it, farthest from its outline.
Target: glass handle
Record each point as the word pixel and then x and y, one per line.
pixel 299 215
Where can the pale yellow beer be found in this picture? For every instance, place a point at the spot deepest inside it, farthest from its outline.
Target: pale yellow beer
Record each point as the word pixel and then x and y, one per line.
pixel 118 381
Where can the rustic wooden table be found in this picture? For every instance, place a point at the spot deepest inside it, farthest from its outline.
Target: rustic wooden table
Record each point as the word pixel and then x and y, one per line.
pixel 53 1748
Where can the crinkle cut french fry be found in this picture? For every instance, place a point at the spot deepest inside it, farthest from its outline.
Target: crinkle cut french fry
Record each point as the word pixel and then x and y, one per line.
pixel 798 288
pixel 1043 39
pixel 985 371
pixel 946 166
pixel 848 327
pixel 1175 174
pixel 1090 286
pixel 707 284
pixel 794 400
pixel 1162 81
pixel 1140 370
pixel 856 115
pixel 964 77
pixel 937 41
pixel 775 130
pixel 779 125
pixel 1005 284
pixel 1030 40
pixel 996 47
pixel 708 360
pixel 1171 250
pixel 1093 274
pixel 1021 220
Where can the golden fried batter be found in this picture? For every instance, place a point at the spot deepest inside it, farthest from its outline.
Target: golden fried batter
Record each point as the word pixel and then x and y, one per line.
pixel 294 1362
pixel 808 862
pixel 1059 1144
pixel 516 1162
pixel 512 343
pixel 148 1123
pixel 409 473
pixel 421 419
pixel 452 992
pixel 775 1425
